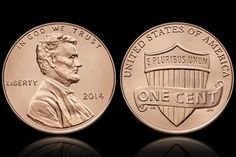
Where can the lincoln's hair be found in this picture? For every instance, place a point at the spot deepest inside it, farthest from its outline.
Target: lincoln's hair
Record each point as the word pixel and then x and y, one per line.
pixel 48 47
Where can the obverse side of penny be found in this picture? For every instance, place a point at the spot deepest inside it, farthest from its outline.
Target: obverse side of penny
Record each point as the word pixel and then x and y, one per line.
pixel 58 77
pixel 176 77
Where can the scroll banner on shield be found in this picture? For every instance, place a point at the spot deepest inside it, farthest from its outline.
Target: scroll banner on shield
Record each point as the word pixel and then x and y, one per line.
pixel 178 97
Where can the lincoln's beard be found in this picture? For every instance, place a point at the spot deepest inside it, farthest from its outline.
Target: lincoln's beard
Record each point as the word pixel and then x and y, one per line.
pixel 74 78
pixel 67 78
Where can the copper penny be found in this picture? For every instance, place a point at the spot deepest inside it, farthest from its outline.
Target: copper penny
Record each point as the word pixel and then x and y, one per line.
pixel 58 77
pixel 176 77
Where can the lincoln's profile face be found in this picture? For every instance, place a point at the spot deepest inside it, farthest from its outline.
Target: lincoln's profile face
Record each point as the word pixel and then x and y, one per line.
pixel 57 58
pixel 66 64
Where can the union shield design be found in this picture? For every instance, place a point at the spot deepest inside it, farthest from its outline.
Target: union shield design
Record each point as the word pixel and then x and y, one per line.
pixel 171 69
pixel 177 67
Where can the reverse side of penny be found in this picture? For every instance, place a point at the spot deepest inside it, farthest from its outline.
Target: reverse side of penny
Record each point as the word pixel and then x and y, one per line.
pixel 58 77
pixel 176 77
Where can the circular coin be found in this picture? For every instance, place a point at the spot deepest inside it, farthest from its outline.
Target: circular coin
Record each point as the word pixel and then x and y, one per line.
pixel 58 77
pixel 176 77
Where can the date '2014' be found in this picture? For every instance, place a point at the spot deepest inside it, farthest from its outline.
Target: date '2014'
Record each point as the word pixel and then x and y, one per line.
pixel 93 96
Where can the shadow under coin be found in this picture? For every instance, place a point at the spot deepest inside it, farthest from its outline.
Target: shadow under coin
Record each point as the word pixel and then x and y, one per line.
pixel 178 147
pixel 58 146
